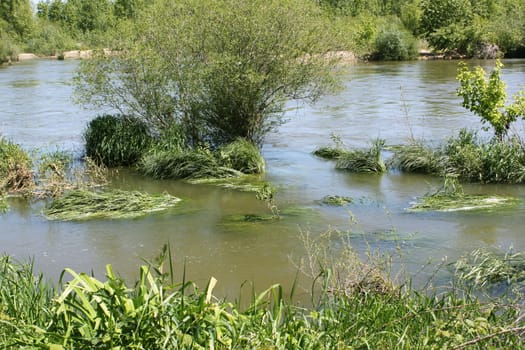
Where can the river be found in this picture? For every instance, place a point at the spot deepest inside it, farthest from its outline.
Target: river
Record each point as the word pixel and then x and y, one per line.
pixel 393 101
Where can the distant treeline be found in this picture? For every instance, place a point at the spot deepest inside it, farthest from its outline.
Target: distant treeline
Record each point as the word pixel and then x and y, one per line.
pixel 373 29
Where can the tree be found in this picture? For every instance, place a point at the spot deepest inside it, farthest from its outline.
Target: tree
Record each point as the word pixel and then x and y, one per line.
pixel 19 15
pixel 221 70
pixel 487 98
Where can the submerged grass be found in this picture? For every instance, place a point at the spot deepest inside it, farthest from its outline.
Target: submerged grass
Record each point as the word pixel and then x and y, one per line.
pixel 450 197
pixel 336 200
pixel 116 204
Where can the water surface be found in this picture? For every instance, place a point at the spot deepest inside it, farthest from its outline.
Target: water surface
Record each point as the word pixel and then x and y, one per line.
pixel 393 101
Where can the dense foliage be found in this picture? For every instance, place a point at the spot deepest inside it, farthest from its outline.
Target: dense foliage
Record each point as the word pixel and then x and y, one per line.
pixel 116 140
pixel 355 306
pixel 482 28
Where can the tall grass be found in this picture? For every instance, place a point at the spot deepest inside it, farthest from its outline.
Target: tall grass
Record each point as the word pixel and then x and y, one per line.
pixel 243 156
pixel 466 157
pixel 16 173
pixel 363 161
pixel 116 140
pixel 356 306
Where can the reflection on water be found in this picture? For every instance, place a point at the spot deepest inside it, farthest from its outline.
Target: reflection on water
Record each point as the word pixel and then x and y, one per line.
pixel 393 101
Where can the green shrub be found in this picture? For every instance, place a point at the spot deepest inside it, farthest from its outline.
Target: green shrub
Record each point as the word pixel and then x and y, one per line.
pixel 116 140
pixel 394 44
pixel 242 155
pixel 16 174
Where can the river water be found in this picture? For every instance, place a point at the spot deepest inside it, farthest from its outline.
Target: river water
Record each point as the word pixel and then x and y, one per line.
pixel 393 101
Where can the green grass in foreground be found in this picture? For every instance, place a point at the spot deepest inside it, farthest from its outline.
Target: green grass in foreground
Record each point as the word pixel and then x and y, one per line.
pixel 115 204
pixel 359 309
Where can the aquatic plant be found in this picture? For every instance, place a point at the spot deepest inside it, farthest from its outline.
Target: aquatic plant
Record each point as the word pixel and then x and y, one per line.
pixel 336 200
pixel 116 140
pixel 363 161
pixel 16 173
pixel 450 197
pixel 484 267
pixel 332 152
pixel 496 161
pixel 114 204
pixel 242 155
pixel 186 164
pixel 416 158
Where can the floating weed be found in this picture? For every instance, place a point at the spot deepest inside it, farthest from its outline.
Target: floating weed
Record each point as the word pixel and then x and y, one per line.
pixel 450 197
pixel 245 183
pixel 483 267
pixel 116 204
pixel 339 201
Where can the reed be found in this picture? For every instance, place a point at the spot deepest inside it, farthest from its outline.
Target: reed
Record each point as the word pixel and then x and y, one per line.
pixel 116 140
pixel 363 161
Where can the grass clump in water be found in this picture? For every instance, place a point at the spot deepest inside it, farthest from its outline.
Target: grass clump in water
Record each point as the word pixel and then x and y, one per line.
pixel 243 156
pixel 336 200
pixel 332 152
pixel 16 173
pixel 116 204
pixel 450 197
pixel 116 140
pixel 416 158
pixel 363 161
pixel 466 157
pixel 184 164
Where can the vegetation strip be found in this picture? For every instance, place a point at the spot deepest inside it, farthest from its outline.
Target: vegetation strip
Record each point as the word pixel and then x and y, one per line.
pixel 115 204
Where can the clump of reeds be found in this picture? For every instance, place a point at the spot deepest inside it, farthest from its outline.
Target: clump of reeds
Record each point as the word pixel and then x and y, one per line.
pixel 466 157
pixel 450 197
pixel 332 152
pixel 186 164
pixel 115 204
pixel 243 156
pixel 116 140
pixel 416 158
pixel 16 172
pixel 363 161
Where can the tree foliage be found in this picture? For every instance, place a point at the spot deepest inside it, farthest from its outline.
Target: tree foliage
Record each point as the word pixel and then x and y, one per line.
pixel 487 98
pixel 222 70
